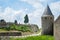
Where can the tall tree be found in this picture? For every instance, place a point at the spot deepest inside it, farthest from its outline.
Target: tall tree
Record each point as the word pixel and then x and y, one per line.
pixel 26 19
pixel 15 21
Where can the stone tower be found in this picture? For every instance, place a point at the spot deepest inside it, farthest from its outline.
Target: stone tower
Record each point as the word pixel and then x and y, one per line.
pixel 47 22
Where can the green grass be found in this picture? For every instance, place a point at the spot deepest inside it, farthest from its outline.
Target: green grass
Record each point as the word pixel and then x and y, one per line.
pixel 45 37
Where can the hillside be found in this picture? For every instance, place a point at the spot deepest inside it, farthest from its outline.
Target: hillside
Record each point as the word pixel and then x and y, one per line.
pixel 21 27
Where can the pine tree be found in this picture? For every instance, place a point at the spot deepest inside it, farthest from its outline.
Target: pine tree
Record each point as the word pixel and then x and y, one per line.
pixel 26 20
pixel 15 21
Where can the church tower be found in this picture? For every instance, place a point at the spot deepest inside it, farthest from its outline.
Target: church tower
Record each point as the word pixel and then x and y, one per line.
pixel 47 22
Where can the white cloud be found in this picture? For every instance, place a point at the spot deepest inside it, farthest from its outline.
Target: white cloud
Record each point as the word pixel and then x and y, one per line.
pixel 34 3
pixel 55 8
pixel 35 16
pixel 9 14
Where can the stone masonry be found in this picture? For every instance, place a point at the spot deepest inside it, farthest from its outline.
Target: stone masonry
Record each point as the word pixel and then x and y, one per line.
pixel 47 22
pixel 57 29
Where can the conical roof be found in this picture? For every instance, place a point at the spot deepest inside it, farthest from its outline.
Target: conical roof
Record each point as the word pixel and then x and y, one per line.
pixel 47 11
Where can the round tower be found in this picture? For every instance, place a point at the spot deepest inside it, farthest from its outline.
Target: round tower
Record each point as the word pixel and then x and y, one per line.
pixel 47 22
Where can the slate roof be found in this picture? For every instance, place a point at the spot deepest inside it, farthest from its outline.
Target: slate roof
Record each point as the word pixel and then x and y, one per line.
pixel 47 11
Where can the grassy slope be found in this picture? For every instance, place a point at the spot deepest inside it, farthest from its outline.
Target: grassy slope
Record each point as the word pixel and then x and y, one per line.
pixel 35 38
pixel 14 27
pixel 22 28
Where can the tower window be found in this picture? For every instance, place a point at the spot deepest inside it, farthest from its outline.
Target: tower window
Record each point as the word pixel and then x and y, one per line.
pixel 51 18
pixel 45 17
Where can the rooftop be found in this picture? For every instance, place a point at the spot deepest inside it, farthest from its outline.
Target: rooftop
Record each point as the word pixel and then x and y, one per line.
pixel 47 11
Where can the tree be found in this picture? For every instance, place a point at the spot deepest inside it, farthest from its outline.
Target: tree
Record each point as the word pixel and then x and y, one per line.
pixel 2 20
pixel 26 20
pixel 15 21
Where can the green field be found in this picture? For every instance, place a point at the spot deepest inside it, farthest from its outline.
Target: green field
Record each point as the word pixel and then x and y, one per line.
pixel 35 38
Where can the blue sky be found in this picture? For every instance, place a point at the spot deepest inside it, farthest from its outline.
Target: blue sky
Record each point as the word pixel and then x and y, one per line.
pixel 17 9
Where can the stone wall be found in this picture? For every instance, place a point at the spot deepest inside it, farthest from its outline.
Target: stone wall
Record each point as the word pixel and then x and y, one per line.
pixel 57 29
pixel 34 28
pixel 47 25
pixel 10 33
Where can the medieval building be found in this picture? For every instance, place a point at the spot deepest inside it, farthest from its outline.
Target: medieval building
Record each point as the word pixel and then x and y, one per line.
pixel 47 22
pixel 49 26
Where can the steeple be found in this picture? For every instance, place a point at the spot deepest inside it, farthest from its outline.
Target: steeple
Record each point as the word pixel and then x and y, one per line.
pixel 47 11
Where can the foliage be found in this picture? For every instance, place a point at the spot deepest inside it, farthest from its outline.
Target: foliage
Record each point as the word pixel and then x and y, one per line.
pixel 45 37
pixel 15 21
pixel 26 19
pixel 23 28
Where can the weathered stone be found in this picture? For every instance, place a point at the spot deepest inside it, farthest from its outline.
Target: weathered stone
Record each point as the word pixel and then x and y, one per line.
pixel 34 28
pixel 57 29
pixel 47 22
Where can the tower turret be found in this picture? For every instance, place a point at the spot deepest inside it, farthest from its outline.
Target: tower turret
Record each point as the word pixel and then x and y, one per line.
pixel 47 22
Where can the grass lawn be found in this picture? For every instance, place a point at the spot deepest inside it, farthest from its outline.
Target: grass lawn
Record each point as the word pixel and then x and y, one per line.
pixel 45 37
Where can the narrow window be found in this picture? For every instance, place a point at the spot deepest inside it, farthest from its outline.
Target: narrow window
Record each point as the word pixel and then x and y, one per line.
pixel 45 17
pixel 50 17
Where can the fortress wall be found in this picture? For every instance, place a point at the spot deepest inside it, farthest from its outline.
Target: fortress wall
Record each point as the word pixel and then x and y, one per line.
pixel 57 31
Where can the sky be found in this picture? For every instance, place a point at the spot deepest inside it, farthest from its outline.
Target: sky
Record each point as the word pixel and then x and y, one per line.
pixel 11 10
